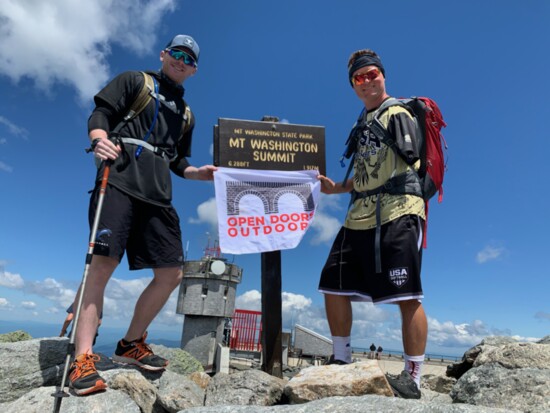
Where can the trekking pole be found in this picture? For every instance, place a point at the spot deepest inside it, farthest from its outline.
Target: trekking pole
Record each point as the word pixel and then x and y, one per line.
pixel 60 393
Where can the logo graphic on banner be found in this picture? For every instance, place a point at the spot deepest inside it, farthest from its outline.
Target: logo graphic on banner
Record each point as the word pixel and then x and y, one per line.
pixel 260 211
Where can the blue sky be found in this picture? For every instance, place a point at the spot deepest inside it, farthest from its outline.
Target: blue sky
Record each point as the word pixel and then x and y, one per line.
pixel 485 63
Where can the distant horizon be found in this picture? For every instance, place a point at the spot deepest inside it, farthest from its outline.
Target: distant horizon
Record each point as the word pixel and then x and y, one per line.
pixel 108 337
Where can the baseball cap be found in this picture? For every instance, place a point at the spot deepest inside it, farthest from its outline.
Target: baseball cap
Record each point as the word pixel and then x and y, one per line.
pixel 183 40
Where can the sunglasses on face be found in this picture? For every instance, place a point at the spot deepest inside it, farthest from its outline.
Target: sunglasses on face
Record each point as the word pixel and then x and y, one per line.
pixel 361 78
pixel 178 54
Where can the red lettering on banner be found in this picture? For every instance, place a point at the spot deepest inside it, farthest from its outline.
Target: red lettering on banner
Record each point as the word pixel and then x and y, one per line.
pixel 246 226
pixel 245 221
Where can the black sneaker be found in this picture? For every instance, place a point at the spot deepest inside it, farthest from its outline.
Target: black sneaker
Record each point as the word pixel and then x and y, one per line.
pixel 332 360
pixel 83 377
pixel 139 353
pixel 403 385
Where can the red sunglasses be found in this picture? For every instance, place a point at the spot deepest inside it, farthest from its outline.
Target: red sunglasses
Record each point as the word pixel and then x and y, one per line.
pixel 369 75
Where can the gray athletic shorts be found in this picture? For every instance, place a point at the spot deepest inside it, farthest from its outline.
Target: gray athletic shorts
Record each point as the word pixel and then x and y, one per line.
pixel 350 268
pixel 149 234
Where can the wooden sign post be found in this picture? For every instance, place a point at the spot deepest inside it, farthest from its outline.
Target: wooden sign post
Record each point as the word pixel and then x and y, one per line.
pixel 269 145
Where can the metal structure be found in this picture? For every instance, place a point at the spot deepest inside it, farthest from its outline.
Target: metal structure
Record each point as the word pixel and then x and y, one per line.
pixel 207 300
pixel 246 331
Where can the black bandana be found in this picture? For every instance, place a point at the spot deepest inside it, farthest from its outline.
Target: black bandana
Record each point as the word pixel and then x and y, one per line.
pixel 363 61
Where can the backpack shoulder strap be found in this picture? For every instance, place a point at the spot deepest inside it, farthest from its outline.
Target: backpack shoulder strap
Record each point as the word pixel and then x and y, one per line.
pixel 143 98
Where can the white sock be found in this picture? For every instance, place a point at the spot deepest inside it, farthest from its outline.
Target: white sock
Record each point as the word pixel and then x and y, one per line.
pixel 342 348
pixel 413 364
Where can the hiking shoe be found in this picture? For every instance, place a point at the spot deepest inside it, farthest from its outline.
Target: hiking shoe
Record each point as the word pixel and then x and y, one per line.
pixel 139 353
pixel 83 377
pixel 332 360
pixel 403 385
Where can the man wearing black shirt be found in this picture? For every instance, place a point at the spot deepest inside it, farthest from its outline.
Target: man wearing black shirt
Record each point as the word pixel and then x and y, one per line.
pixel 137 217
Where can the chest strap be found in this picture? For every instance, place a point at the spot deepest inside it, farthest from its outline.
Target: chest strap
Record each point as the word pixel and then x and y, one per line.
pixel 156 150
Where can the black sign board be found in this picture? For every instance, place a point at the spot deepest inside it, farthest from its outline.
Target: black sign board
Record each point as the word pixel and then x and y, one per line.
pixel 269 145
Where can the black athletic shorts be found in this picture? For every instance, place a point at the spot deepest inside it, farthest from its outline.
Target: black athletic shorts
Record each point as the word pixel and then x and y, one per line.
pixel 350 268
pixel 149 234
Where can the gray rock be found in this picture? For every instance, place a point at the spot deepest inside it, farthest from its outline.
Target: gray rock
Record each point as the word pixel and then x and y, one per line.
pixel 497 341
pixel 15 336
pixel 433 396
pixel 492 385
pixel 32 363
pixel 252 387
pixel 181 361
pixel 200 378
pixel 177 392
pixel 40 400
pixel 516 356
pixel 354 379
pixel 544 340
pixel 355 404
pixel 439 384
pixel 135 385
pixel 456 370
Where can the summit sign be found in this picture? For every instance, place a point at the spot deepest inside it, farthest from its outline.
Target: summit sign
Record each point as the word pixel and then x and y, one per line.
pixel 269 145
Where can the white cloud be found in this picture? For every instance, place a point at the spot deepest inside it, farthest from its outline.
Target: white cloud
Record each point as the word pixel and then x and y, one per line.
pixel 28 304
pixel 489 253
pixel 325 228
pixel 526 339
pixel 207 214
pixel 10 280
pixel 5 167
pixel 4 304
pixel 13 129
pixel 121 297
pixel 65 41
pixel 53 290
pixel 291 301
pixel 324 225
pixel 448 334
pixel 250 300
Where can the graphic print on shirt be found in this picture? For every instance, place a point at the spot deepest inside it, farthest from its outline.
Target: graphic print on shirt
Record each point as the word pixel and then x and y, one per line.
pixel 370 157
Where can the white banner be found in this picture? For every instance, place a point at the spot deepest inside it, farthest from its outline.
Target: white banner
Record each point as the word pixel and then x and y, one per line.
pixel 260 211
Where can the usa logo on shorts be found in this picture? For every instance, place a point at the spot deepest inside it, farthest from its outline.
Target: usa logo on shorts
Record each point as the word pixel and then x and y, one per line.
pixel 399 276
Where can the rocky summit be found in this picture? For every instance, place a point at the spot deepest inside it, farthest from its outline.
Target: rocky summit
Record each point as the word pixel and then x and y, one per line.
pixel 497 375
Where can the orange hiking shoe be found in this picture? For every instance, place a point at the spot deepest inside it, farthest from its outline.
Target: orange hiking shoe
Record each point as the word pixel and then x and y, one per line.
pixel 139 353
pixel 83 377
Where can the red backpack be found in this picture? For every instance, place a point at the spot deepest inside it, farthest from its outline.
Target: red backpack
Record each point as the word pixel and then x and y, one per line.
pixel 433 163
